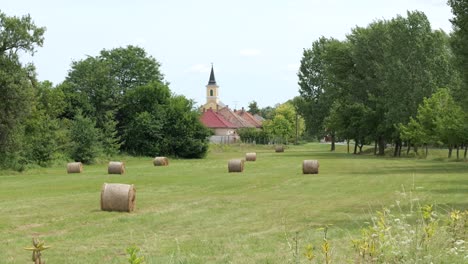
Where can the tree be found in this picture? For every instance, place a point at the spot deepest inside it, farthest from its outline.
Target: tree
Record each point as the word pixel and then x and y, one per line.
pixel 283 125
pixel 17 35
pixel 42 127
pixel 438 118
pixel 398 63
pixel 253 108
pixel 458 41
pixel 186 135
pixel 98 84
pixel 85 139
pixel 322 77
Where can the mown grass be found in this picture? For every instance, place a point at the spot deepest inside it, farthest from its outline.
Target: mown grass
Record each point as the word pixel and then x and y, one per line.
pixel 194 211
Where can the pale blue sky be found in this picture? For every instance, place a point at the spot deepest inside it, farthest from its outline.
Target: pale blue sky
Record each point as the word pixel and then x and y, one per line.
pixel 256 46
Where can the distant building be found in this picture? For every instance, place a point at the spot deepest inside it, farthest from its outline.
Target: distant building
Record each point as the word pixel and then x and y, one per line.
pixel 221 119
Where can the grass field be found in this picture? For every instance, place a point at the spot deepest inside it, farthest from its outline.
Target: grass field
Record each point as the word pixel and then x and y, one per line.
pixel 194 211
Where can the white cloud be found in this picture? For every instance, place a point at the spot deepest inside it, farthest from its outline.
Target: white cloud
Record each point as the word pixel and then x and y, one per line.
pixel 293 67
pixel 200 68
pixel 249 52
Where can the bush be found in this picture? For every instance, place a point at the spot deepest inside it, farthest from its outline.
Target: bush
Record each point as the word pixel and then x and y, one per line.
pixel 252 134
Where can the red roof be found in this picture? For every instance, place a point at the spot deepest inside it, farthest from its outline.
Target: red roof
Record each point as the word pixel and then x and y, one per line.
pixel 232 117
pixel 249 118
pixel 212 119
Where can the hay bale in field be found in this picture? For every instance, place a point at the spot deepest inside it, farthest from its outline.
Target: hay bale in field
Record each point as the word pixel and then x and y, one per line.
pixel 236 165
pixel 161 161
pixel 279 148
pixel 116 167
pixel 118 197
pixel 252 156
pixel 75 167
pixel 310 167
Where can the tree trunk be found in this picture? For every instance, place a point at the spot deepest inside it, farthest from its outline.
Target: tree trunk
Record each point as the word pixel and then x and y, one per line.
pixel 375 148
pixel 450 151
pixel 458 152
pixel 381 146
pixel 332 142
pixel 360 147
pixel 409 148
pixel 466 150
pixel 347 141
pixel 355 147
pixel 397 146
pixel 427 150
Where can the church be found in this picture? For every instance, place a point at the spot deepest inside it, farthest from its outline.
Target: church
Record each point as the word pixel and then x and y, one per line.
pixel 223 121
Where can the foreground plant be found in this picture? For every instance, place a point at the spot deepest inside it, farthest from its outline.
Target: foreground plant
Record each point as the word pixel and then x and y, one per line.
pixel 133 255
pixel 38 247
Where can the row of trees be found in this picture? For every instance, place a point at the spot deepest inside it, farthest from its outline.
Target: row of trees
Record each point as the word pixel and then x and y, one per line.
pixel 381 81
pixel 113 102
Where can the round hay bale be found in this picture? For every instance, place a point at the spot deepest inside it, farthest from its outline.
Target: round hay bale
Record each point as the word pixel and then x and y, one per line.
pixel 118 197
pixel 310 167
pixel 75 167
pixel 236 165
pixel 161 161
pixel 279 148
pixel 252 156
pixel 116 167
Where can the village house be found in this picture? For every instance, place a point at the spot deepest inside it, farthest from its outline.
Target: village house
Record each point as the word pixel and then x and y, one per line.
pixel 221 119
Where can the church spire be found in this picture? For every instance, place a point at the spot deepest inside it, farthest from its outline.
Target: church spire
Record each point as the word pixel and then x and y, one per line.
pixel 212 80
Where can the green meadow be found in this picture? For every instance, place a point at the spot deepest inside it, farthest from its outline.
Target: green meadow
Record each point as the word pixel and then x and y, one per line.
pixel 194 211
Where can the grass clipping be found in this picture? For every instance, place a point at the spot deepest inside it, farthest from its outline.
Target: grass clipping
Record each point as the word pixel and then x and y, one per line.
pixel 116 167
pixel 252 156
pixel 161 161
pixel 118 197
pixel 236 165
pixel 75 167
pixel 310 167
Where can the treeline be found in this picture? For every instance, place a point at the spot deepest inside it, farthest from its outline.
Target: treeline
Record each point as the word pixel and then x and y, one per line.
pixel 395 81
pixel 117 101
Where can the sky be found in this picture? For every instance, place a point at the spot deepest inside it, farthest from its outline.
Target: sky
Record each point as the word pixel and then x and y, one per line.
pixel 255 45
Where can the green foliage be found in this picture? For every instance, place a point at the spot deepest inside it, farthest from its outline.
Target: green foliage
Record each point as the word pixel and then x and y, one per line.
pixel 133 257
pixel 110 139
pixel 144 135
pixel 85 139
pixel 156 123
pixel 250 134
pixel 380 73
pixel 282 127
pixel 439 119
pixel 460 37
pixel 187 137
pixel 17 35
pixel 253 108
pixel 99 84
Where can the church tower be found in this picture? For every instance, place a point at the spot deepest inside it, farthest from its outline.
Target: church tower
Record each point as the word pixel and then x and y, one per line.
pixel 212 93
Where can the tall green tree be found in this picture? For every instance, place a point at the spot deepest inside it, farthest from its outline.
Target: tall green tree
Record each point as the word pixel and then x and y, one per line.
pixel 17 35
pixel 85 139
pixel 459 40
pixel 253 108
